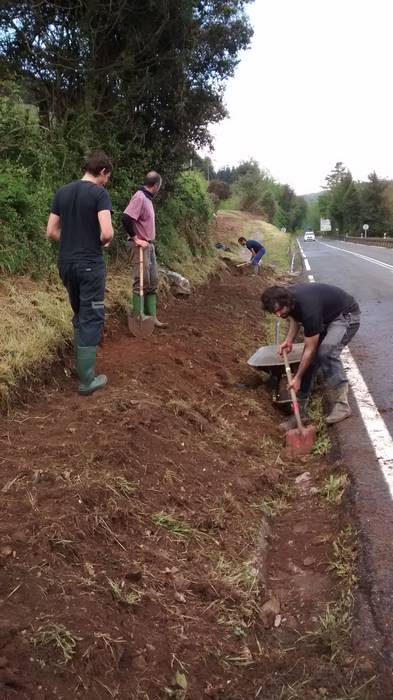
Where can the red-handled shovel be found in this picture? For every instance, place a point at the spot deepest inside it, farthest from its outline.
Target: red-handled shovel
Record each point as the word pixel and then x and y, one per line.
pixel 300 440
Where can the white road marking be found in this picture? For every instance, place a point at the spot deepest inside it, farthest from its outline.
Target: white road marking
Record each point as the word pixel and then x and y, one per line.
pixel 307 265
pixel 387 266
pixel 377 431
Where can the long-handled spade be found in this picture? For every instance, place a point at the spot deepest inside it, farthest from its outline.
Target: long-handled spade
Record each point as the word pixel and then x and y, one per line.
pixel 141 326
pixel 300 440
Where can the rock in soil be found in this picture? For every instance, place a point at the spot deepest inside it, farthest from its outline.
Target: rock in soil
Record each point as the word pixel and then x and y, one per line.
pixel 269 612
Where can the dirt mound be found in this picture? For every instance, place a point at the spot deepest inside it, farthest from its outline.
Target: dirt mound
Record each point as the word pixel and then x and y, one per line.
pixel 136 556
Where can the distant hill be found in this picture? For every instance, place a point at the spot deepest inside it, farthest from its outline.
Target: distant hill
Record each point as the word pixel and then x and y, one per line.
pixel 312 197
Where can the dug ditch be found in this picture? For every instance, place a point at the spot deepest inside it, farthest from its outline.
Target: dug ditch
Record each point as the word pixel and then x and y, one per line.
pixel 154 541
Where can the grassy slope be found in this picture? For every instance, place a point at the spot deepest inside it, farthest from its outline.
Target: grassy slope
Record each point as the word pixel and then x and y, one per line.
pixel 36 324
pixel 36 315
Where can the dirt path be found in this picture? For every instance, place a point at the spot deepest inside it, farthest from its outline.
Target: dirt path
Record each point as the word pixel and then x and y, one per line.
pixel 136 552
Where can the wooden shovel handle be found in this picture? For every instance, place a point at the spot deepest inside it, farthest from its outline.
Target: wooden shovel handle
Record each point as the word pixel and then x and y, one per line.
pixel 295 403
pixel 141 276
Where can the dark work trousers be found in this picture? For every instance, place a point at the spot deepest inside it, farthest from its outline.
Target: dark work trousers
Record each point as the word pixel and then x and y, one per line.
pixel 337 335
pixel 85 284
pixel 150 271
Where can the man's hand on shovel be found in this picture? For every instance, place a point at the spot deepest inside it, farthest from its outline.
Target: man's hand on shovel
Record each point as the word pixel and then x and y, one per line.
pixel 141 242
pixel 294 384
pixel 300 440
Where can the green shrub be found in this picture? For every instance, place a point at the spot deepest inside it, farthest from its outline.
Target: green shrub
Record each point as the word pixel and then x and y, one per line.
pixel 23 206
pixel 183 220
pixel 36 161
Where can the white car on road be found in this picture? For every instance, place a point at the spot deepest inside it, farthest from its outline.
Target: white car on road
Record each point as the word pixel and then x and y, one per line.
pixel 309 236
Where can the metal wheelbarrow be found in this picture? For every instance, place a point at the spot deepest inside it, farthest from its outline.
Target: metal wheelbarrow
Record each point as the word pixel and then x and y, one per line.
pixel 268 360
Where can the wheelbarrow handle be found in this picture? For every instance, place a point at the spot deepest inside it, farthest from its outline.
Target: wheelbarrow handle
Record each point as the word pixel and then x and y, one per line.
pixel 292 392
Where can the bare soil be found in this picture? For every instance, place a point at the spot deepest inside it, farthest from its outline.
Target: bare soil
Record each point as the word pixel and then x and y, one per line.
pixel 137 556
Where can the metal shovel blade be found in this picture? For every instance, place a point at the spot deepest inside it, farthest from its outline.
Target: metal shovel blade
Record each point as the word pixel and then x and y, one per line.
pixel 140 326
pixel 300 441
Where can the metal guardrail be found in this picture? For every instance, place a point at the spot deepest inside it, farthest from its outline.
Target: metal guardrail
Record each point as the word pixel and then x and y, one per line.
pixel 382 242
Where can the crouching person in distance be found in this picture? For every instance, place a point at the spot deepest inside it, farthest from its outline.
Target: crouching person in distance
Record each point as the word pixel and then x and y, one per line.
pixel 330 318
pixel 80 219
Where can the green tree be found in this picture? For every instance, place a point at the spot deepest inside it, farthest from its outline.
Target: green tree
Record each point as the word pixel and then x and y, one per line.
pixel 340 202
pixel 144 79
pixel 375 210
pixel 221 189
pixel 204 165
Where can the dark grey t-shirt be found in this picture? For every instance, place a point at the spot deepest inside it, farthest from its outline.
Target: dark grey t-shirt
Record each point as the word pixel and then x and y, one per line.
pixel 317 305
pixel 78 204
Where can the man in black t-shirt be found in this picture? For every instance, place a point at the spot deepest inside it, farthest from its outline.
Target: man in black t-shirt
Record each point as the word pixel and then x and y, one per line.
pixel 80 219
pixel 330 318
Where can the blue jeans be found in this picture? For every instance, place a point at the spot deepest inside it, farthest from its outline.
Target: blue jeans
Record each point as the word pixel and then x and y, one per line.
pixel 337 335
pixel 258 257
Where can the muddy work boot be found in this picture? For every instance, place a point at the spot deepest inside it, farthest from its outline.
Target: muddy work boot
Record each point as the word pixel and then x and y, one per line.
pixel 291 423
pixel 86 362
pixel 151 310
pixel 341 408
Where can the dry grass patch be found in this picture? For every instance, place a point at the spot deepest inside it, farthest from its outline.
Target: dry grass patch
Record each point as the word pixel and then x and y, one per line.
pixel 36 324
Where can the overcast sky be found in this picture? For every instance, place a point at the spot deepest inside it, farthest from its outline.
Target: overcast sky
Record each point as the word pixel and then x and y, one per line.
pixel 315 88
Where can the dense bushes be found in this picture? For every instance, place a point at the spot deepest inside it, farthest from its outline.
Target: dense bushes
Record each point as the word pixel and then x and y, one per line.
pixel 183 220
pixel 32 171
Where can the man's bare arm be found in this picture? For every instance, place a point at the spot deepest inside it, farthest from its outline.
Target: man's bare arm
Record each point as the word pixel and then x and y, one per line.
pixel 105 220
pixel 53 227
pixel 293 330
pixel 310 348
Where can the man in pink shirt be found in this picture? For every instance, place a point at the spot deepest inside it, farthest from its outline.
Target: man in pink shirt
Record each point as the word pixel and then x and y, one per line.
pixel 139 223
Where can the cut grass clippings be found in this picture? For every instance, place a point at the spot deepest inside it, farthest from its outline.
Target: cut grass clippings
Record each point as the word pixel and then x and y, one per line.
pixel 57 637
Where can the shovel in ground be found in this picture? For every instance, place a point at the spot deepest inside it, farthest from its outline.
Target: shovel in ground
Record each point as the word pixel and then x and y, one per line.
pixel 300 440
pixel 141 326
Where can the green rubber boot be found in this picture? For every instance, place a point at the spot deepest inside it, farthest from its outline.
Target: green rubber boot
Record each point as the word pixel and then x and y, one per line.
pixel 136 305
pixel 86 362
pixel 151 309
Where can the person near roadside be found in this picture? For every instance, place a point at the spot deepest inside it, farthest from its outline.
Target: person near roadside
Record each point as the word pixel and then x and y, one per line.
pixel 139 224
pixel 330 318
pixel 256 249
pixel 80 219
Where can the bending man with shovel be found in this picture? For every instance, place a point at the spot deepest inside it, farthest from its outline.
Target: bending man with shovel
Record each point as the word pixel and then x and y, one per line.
pixel 330 318
pixel 139 223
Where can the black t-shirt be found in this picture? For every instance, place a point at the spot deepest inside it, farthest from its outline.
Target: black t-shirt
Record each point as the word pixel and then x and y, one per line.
pixel 78 204
pixel 317 305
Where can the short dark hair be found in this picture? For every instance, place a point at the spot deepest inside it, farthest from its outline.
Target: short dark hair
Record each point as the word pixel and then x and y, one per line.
pixel 277 297
pixel 241 239
pixel 152 178
pixel 96 162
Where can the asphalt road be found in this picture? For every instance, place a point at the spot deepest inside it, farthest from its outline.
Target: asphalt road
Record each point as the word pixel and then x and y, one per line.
pixel 368 455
